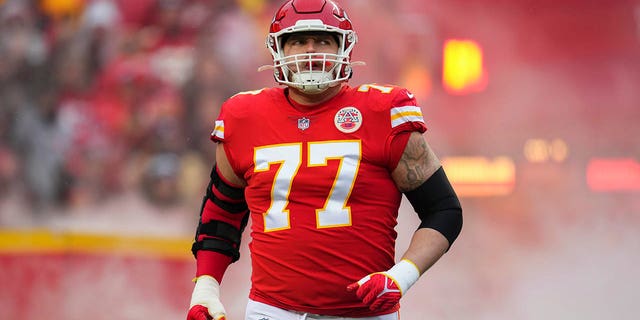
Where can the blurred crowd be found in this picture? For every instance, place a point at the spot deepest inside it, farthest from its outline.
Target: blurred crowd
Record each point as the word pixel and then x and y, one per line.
pixel 104 97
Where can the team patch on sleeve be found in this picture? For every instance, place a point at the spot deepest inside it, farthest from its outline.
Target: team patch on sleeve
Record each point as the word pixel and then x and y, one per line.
pixel 218 131
pixel 400 115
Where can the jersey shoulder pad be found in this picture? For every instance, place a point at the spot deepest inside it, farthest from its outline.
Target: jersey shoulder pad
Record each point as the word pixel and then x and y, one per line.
pixel 242 107
pixel 397 102
pixel 387 96
pixel 242 104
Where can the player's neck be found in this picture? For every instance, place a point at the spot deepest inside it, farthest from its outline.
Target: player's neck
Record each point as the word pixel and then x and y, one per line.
pixel 309 100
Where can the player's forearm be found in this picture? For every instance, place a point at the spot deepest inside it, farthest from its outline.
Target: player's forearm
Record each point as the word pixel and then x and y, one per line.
pixel 211 263
pixel 426 248
pixel 223 217
pixel 375 289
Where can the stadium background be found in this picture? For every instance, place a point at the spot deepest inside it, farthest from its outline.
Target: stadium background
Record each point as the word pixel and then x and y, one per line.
pixel 106 107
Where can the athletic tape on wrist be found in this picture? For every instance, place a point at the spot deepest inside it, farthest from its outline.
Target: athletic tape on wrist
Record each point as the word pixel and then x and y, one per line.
pixel 405 273
pixel 205 289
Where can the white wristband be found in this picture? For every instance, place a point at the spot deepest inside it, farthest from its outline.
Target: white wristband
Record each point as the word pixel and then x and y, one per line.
pixel 207 293
pixel 405 273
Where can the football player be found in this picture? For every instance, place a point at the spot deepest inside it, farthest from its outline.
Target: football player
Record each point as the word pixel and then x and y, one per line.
pixel 320 168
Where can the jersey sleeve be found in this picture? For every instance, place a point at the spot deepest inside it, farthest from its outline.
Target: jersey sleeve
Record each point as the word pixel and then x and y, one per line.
pixel 236 115
pixel 217 134
pixel 405 116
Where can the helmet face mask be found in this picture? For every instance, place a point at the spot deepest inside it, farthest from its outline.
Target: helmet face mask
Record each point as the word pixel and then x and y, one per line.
pixel 311 73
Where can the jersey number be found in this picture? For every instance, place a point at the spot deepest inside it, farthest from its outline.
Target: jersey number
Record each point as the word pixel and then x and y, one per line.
pixel 383 89
pixel 335 212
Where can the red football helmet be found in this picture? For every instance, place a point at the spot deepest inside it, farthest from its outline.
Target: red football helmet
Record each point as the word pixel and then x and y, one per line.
pixel 318 16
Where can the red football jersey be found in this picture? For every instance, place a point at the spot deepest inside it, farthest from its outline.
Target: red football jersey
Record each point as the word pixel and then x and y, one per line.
pixel 323 204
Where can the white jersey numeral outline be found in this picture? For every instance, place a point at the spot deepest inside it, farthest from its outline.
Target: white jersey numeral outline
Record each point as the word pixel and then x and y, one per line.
pixel 335 212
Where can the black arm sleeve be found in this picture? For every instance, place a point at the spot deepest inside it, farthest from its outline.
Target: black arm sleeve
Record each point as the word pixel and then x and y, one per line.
pixel 438 206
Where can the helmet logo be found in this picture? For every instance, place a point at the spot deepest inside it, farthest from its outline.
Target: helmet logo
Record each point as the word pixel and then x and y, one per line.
pixel 348 119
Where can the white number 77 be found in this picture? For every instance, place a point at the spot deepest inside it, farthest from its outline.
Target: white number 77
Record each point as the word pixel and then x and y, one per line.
pixel 335 212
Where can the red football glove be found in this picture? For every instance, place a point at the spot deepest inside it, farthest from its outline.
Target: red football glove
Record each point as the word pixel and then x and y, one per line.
pixel 198 312
pixel 383 290
pixel 205 300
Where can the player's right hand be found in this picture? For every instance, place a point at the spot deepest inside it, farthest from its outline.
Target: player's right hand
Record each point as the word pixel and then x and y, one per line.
pixel 205 300
pixel 198 312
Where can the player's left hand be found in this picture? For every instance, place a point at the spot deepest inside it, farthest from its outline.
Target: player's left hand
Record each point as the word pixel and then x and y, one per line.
pixel 383 290
pixel 377 290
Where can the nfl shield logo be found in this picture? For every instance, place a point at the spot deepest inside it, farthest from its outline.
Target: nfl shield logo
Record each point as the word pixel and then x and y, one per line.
pixel 303 123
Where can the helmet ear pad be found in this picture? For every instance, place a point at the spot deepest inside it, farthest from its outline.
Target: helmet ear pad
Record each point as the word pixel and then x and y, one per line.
pixel 346 72
pixel 273 44
pixel 351 39
pixel 278 74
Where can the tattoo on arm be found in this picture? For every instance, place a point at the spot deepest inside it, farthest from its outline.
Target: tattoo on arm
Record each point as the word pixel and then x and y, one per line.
pixel 417 164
